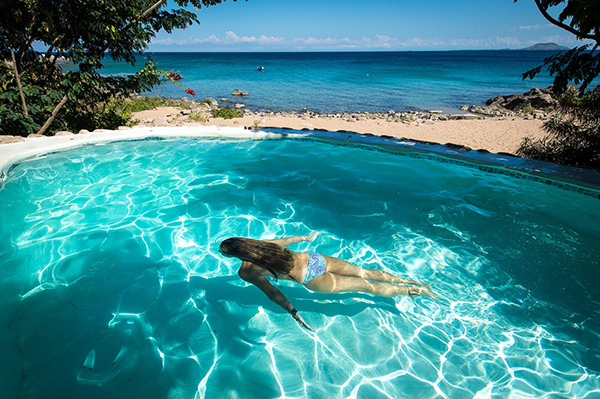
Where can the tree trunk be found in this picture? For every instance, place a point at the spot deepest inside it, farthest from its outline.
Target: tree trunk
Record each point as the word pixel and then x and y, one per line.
pixel 12 53
pixel 53 115
pixel 64 99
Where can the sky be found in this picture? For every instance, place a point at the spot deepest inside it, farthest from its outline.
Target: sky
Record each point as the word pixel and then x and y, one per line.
pixel 352 25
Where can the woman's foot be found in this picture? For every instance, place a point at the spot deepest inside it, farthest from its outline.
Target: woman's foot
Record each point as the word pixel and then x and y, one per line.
pixel 425 291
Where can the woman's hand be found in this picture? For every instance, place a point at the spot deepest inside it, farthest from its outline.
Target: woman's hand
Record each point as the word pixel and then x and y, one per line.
pixel 300 320
pixel 312 236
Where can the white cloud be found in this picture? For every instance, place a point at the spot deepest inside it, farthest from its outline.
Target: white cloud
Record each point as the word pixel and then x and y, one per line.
pixel 162 42
pixel 418 42
pixel 231 38
pixel 231 41
pixel 508 41
pixel 530 27
pixel 463 43
pixel 470 43
pixel 565 39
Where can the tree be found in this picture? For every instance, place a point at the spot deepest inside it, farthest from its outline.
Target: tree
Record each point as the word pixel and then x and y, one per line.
pixel 574 131
pixel 36 95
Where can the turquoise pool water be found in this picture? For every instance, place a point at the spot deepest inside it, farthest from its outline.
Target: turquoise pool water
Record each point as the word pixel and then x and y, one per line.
pixel 111 284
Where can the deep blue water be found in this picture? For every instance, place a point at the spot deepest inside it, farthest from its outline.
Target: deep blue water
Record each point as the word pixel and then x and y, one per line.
pixel 350 81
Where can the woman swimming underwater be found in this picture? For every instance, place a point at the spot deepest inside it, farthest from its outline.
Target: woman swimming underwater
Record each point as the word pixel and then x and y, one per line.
pixel 316 272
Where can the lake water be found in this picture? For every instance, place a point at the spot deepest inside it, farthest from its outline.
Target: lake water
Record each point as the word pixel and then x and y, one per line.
pixel 350 81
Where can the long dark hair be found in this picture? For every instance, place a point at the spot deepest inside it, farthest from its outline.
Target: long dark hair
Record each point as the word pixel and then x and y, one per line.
pixel 264 254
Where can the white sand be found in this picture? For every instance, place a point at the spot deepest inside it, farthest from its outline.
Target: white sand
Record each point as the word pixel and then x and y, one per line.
pixel 493 134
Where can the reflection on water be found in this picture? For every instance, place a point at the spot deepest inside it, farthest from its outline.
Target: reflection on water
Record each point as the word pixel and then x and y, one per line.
pixel 112 286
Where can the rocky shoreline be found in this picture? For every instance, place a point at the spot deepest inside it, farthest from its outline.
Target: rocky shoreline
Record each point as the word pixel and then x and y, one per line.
pixel 496 120
pixel 534 104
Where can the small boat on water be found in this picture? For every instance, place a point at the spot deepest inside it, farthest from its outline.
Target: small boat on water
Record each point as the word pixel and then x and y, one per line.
pixel 260 68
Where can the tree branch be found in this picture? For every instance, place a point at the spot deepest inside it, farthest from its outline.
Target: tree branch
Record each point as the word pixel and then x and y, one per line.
pixel 133 22
pixel 53 45
pixel 566 27
pixel 53 115
pixel 12 53
pixel 148 11
pixel 108 44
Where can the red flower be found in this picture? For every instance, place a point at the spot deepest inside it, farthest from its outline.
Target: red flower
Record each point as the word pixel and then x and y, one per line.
pixel 190 92
pixel 173 75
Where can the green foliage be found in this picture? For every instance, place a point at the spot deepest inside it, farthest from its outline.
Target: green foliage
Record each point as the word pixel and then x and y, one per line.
pixel 137 104
pixel 573 135
pixel 574 131
pixel 580 65
pixel 198 116
pixel 227 113
pixel 527 110
pixel 83 31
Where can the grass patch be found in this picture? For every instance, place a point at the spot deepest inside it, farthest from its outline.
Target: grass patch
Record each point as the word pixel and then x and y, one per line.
pixel 198 116
pixel 527 110
pixel 227 113
pixel 137 104
pixel 117 110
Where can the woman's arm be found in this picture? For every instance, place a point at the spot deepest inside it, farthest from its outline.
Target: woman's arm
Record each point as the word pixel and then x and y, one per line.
pixel 251 274
pixel 284 242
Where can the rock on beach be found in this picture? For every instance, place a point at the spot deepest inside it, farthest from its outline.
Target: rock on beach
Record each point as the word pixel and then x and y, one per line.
pixel 535 101
pixel 213 103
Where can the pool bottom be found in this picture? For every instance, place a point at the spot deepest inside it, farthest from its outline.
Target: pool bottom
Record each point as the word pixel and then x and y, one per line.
pixel 114 287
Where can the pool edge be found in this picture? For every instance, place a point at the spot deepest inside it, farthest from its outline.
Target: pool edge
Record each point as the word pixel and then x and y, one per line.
pixel 13 153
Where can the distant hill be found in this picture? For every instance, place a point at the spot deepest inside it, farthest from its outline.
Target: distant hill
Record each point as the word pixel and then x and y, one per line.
pixel 546 46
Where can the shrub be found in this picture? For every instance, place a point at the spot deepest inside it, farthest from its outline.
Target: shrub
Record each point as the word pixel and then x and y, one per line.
pixel 573 133
pixel 198 116
pixel 227 113
pixel 38 96
pixel 527 110
pixel 136 104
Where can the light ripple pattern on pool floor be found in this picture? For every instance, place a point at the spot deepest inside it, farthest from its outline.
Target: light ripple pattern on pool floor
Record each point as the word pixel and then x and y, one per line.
pixel 112 284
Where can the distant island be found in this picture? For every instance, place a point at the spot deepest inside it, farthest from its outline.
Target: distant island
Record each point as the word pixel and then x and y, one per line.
pixel 545 46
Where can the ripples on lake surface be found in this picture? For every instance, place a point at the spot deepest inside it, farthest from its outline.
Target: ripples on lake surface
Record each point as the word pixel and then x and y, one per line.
pixel 112 285
pixel 373 81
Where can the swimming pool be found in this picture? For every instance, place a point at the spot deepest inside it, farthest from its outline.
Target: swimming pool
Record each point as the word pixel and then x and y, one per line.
pixel 111 283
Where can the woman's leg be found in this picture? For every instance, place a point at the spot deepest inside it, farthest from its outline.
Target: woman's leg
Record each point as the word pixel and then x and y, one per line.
pixel 343 268
pixel 330 282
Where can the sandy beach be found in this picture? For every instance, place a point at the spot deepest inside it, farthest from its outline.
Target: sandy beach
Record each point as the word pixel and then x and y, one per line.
pixel 494 134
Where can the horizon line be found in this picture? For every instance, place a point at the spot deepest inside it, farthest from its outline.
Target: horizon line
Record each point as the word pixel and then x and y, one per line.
pixel 347 51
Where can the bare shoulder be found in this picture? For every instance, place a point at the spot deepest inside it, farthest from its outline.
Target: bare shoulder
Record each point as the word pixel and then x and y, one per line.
pixel 249 271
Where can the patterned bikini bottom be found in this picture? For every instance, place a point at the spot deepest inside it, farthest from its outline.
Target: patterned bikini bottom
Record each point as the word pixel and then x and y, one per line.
pixel 316 266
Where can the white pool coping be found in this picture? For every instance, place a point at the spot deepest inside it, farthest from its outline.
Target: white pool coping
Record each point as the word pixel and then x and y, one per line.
pixel 14 153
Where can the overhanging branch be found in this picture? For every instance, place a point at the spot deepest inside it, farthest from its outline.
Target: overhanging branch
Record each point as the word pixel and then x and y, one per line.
pixel 133 22
pixel 566 27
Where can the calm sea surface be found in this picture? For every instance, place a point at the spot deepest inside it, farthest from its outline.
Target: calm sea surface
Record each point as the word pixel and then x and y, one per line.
pixel 350 81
